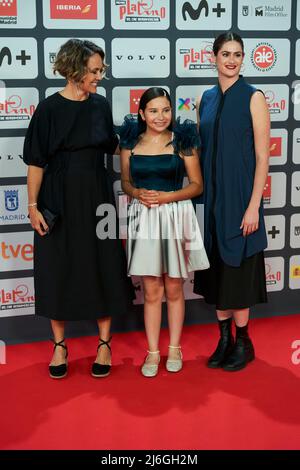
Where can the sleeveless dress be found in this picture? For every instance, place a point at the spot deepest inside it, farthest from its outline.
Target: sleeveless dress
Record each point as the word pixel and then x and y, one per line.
pixel 164 239
pixel 77 275
pixel 236 278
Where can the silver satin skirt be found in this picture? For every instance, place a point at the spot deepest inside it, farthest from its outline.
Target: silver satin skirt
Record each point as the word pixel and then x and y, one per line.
pixel 164 239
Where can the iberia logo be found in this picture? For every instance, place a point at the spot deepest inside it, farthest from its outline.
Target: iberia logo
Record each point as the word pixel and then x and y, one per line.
pixel 8 7
pixel 275 146
pixel 73 9
pixel 264 57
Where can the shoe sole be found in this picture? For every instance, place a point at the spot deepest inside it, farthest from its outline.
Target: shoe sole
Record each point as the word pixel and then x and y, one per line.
pixel 100 376
pixel 210 366
pixel 238 368
pixel 58 376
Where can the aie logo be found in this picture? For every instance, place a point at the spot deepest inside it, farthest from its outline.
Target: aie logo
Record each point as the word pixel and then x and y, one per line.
pixel 195 13
pixel 11 200
pixel 264 57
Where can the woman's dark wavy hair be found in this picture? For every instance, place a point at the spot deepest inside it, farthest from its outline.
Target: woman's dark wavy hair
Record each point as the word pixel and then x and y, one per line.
pixel 148 95
pixel 72 58
pixel 225 37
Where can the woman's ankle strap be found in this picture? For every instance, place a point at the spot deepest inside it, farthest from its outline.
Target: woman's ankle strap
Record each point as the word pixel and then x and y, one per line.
pixel 174 347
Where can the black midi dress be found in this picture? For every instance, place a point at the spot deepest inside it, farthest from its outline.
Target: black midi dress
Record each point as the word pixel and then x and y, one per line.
pixel 77 274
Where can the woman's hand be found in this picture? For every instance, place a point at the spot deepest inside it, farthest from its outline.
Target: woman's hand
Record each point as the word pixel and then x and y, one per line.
pixel 37 221
pixel 250 221
pixel 150 197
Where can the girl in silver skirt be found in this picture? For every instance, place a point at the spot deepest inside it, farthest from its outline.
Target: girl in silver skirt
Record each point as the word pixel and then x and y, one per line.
pixel 164 242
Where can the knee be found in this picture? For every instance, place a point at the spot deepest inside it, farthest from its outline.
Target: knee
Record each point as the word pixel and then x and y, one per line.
pixel 174 292
pixel 153 296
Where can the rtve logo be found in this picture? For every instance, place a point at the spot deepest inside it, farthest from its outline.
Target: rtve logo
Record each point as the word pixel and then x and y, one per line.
pixel 21 251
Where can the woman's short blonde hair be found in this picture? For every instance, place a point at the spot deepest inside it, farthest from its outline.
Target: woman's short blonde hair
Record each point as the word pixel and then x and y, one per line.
pixel 72 58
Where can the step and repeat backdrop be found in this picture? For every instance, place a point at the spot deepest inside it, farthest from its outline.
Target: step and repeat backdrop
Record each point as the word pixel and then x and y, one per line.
pixel 150 42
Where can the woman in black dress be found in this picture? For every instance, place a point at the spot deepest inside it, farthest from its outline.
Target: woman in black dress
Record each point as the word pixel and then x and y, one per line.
pixel 78 275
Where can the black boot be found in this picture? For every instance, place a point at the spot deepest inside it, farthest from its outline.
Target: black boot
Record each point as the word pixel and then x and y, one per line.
pixel 243 351
pixel 225 345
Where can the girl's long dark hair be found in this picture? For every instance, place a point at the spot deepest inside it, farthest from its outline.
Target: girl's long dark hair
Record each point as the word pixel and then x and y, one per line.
pixel 148 95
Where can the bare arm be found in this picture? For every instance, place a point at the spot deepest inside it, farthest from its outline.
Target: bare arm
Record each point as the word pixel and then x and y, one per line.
pixel 139 193
pixel 34 181
pixel 261 128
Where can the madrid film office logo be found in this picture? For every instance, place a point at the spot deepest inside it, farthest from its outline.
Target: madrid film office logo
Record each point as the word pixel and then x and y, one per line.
pixel 258 11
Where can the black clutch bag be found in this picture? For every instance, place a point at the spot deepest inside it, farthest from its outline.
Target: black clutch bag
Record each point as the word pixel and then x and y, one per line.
pixel 50 218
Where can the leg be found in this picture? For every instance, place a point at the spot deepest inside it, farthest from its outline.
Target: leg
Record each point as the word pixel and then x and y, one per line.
pixel 243 351
pixel 175 303
pixel 58 367
pixel 224 314
pixel 104 354
pixel 153 294
pixel 226 341
pixel 241 317
pixel 59 354
pixel 102 365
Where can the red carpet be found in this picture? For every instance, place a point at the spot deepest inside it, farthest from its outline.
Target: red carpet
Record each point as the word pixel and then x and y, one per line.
pixel 198 408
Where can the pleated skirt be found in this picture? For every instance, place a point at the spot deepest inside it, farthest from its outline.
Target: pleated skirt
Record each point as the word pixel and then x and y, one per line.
pixel 164 239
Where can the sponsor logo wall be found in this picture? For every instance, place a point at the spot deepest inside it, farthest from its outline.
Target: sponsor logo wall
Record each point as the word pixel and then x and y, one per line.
pixel 151 42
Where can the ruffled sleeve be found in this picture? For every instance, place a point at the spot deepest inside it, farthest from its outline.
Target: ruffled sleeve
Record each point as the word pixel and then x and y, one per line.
pixel 129 132
pixel 36 144
pixel 186 137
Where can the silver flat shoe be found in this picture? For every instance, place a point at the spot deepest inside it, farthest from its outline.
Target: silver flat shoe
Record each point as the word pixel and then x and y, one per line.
pixel 150 370
pixel 175 365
